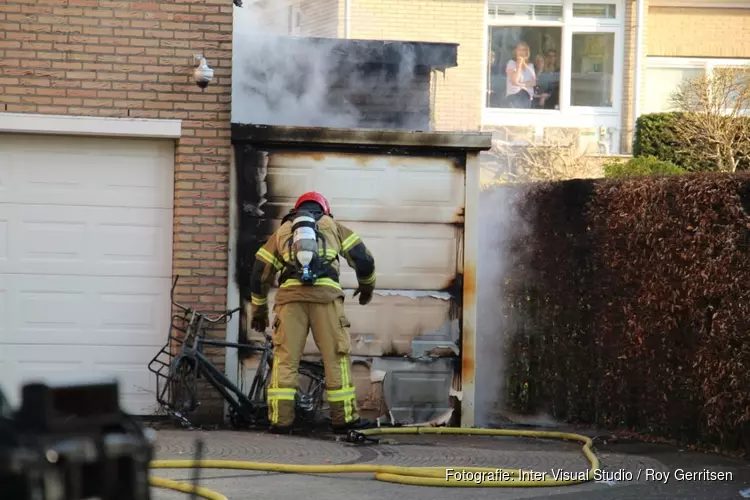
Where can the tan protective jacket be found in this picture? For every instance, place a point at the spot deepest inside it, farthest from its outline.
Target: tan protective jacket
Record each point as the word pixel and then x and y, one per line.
pixel 270 259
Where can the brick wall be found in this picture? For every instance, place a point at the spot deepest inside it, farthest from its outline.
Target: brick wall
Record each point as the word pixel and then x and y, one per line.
pixel 631 19
pixel 691 32
pixel 133 59
pixel 458 101
pixel 318 18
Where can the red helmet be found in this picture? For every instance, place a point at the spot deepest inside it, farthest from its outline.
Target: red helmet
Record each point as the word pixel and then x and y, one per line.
pixel 317 198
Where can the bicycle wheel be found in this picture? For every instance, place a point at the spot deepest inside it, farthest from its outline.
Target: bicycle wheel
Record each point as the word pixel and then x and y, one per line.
pixel 310 393
pixel 184 385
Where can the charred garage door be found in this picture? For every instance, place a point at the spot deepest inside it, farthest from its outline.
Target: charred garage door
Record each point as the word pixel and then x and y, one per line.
pixel 405 195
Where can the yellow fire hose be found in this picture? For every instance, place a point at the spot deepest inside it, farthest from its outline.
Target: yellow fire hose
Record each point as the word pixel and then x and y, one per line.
pixel 418 476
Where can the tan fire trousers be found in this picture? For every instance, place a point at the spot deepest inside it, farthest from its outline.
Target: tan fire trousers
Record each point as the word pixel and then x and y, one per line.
pixel 330 329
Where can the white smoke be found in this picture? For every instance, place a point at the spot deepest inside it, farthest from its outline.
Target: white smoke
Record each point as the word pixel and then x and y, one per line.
pixel 500 224
pixel 283 80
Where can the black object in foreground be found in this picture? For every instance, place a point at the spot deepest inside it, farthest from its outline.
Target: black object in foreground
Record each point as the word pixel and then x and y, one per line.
pixel 70 442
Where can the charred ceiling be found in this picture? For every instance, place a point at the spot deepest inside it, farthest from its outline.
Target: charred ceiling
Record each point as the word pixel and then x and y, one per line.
pixel 379 53
pixel 418 142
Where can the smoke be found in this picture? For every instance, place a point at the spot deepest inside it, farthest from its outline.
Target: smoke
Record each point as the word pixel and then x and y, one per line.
pixel 296 81
pixel 500 224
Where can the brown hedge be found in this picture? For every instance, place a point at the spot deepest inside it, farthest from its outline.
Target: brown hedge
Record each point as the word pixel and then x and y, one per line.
pixel 632 305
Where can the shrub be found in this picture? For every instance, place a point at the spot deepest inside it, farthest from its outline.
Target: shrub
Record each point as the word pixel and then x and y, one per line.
pixel 656 135
pixel 644 165
pixel 634 306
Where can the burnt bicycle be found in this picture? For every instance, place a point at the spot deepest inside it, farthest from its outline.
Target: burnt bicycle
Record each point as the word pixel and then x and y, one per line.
pixel 181 365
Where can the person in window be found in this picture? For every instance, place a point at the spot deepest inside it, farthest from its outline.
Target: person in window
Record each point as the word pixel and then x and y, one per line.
pixel 539 95
pixel 549 81
pixel 521 78
pixel 550 61
pixel 539 64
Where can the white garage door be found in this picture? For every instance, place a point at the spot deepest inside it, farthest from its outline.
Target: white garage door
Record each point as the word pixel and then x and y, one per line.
pixel 85 260
pixel 409 212
pixel 406 209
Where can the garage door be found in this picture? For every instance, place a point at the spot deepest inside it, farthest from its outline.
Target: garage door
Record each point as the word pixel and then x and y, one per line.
pixel 85 260
pixel 405 211
pixel 409 212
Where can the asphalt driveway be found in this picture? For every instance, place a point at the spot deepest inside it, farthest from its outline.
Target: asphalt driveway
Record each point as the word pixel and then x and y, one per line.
pixel 663 469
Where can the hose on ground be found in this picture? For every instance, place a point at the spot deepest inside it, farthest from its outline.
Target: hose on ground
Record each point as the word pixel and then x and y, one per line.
pixel 481 477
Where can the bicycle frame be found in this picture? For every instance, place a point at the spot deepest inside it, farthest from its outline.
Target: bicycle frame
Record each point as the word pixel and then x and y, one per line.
pixel 247 407
pixel 244 409
pixel 251 408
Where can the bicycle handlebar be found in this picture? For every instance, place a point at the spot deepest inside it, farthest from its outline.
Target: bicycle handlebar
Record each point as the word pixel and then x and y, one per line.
pixel 191 310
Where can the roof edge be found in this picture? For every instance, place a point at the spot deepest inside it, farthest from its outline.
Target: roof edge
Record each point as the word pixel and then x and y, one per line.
pixel 701 4
pixel 435 55
pixel 294 135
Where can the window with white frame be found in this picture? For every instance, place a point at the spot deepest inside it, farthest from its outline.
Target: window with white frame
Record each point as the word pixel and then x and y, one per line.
pixel 554 55
pixel 294 18
pixel 664 75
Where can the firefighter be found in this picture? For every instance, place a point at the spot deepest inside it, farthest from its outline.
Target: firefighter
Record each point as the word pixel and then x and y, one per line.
pixel 305 250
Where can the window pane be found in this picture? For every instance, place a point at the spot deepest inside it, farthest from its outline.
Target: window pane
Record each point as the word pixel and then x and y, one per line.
pixel 523 11
pixel 537 55
pixel 734 83
pixel 595 10
pixel 661 82
pixel 593 59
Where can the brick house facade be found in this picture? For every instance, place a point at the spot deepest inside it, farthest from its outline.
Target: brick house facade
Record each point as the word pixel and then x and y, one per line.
pixel 699 32
pixel 133 59
pixel 458 99
pixel 687 41
pixel 460 91
pixel 670 29
pixel 130 59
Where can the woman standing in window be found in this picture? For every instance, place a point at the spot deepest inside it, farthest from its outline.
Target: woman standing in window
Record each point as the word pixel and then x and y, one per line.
pixel 521 78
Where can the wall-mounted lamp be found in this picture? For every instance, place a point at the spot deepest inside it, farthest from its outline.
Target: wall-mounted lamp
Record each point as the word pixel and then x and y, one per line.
pixel 203 74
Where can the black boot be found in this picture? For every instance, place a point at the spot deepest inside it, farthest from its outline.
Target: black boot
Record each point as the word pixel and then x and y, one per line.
pixel 357 425
pixel 297 428
pixel 280 429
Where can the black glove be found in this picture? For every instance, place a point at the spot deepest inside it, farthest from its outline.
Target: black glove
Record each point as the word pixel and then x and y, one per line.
pixel 365 294
pixel 259 321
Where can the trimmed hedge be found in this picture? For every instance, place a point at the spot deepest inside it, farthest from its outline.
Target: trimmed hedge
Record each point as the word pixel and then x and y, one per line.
pixel 644 165
pixel 631 301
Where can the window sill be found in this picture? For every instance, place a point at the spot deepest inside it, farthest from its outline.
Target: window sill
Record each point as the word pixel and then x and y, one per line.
pixel 572 111
pixel 540 119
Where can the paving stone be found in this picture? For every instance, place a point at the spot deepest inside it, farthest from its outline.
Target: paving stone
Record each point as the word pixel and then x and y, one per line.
pixel 441 451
